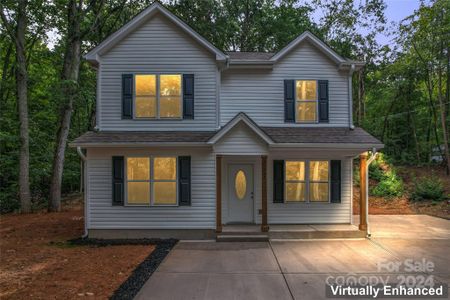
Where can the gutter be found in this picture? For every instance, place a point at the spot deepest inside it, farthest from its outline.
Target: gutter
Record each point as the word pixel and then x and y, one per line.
pixel 369 161
pixel 84 159
pixel 350 97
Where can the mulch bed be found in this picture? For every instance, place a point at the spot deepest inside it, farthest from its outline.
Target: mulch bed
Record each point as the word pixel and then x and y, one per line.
pixel 140 275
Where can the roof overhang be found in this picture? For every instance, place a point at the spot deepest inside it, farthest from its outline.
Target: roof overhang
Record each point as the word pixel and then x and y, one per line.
pixel 93 55
pixel 136 145
pixel 240 118
pixel 328 145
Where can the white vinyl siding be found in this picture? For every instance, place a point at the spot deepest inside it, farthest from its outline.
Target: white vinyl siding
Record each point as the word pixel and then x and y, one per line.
pixel 158 47
pixel 199 215
pixel 260 92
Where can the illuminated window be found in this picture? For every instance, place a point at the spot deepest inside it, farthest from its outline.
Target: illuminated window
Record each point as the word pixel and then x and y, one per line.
pixel 166 103
pixel 165 180
pixel 307 181
pixel 318 181
pixel 240 184
pixel 152 180
pixel 295 181
pixel 138 180
pixel 170 96
pixel 306 100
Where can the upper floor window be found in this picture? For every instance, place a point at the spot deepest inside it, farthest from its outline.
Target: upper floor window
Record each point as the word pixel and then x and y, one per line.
pixel 306 100
pixel 158 96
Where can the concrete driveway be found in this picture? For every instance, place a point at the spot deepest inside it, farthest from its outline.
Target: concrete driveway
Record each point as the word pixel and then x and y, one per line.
pixel 298 269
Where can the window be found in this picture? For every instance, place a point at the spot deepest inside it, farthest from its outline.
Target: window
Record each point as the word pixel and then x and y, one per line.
pixel 138 180
pixel 318 181
pixel 151 181
pixel 295 181
pixel 307 181
pixel 158 96
pixel 306 100
pixel 165 180
pixel 240 184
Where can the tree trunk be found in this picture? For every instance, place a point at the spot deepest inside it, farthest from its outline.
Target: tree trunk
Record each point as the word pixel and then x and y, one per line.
pixel 69 78
pixel 6 65
pixel 21 82
pixel 413 126
pixel 443 117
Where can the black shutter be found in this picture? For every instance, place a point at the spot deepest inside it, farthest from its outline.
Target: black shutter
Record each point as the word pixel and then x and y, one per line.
pixel 117 180
pixel 188 96
pixel 278 181
pixel 335 183
pixel 127 96
pixel 323 101
pixel 184 180
pixel 289 101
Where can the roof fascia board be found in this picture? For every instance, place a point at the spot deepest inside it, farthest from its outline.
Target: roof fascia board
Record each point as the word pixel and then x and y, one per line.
pixel 135 144
pixel 319 43
pixel 328 145
pixel 240 118
pixel 141 18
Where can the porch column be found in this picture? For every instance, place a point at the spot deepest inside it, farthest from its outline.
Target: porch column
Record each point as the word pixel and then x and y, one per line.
pixel 363 191
pixel 264 226
pixel 218 193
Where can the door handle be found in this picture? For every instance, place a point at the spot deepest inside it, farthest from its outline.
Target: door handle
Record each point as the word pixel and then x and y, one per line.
pixel 251 195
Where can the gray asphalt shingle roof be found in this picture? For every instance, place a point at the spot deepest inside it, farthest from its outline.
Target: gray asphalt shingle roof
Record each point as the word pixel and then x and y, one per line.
pixel 302 135
pixel 131 137
pixel 249 55
pixel 338 135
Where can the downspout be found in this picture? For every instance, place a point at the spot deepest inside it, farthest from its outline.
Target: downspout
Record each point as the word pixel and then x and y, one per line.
pixel 83 158
pixel 369 161
pixel 350 97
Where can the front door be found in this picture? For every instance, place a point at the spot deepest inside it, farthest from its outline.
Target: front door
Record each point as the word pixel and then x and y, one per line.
pixel 240 193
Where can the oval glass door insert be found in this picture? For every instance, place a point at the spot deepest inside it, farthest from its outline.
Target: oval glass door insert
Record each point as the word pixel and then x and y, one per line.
pixel 240 184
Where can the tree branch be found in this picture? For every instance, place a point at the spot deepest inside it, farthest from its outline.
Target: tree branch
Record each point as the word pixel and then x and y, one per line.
pixel 7 24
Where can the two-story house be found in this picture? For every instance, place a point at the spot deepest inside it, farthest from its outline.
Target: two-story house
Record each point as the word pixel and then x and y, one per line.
pixel 190 138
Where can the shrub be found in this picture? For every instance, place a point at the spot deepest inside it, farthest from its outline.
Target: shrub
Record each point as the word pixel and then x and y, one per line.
pixel 430 188
pixel 390 185
pixel 375 172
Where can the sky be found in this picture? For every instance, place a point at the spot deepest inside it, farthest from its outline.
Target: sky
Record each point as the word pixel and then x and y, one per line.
pixel 396 11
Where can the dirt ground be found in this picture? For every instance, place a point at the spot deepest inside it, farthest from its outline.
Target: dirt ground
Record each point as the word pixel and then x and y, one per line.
pixel 36 262
pixel 403 205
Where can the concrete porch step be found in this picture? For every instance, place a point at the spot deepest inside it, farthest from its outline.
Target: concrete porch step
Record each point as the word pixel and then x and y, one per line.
pixel 242 237
pixel 243 233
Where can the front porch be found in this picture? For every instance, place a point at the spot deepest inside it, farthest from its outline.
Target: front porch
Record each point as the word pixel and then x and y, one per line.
pixel 261 229
pixel 290 178
pixel 247 233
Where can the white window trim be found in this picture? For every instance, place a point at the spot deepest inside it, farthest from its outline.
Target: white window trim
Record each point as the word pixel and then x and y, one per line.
pixel 316 101
pixel 307 182
pixel 151 181
pixel 157 117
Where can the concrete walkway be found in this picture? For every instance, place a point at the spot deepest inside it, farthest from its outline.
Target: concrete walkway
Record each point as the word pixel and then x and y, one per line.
pixel 298 270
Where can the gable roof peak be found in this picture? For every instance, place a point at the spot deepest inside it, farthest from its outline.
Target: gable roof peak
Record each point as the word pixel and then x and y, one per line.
pixel 240 118
pixel 141 18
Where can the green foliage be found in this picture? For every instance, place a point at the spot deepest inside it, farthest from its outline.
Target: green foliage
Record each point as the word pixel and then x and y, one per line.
pixel 390 185
pixel 430 188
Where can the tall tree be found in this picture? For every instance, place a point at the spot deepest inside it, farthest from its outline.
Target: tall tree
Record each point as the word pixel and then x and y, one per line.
pixel 16 28
pixel 426 35
pixel 90 22
pixel 76 29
